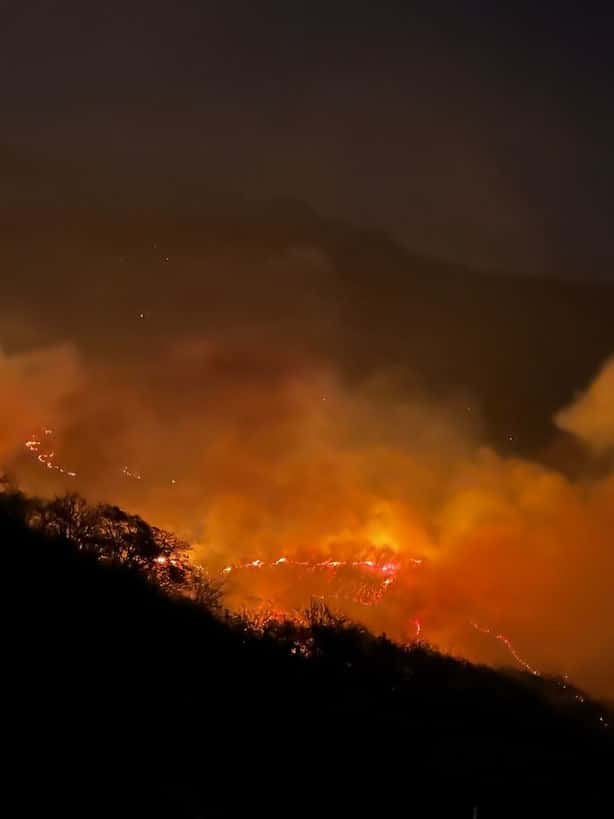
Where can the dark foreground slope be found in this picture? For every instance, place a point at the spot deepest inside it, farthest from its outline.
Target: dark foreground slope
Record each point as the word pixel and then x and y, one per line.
pixel 124 701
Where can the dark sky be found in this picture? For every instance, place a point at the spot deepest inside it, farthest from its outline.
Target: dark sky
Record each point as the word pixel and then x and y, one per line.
pixel 475 133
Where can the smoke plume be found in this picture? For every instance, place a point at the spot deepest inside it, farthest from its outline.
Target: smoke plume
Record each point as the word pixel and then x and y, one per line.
pixel 262 455
pixel 591 416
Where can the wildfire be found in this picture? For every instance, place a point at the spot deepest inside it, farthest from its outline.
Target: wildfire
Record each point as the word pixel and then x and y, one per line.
pixel 388 569
pixel 376 574
pixel 385 572
pixel 509 646
pixel 46 456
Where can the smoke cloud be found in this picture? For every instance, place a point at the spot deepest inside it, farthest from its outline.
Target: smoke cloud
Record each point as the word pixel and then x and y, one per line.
pixel 33 386
pixel 591 417
pixel 257 452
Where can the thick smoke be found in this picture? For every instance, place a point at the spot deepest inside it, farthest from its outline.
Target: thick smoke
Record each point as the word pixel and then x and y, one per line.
pixel 591 417
pixel 254 451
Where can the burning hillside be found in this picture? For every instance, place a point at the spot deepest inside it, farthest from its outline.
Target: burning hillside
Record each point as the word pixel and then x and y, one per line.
pixel 293 485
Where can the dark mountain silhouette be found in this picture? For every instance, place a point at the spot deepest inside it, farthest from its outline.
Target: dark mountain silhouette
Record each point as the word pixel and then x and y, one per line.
pixel 197 260
pixel 127 696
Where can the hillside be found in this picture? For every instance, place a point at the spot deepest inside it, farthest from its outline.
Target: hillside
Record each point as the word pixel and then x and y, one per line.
pixel 519 347
pixel 128 698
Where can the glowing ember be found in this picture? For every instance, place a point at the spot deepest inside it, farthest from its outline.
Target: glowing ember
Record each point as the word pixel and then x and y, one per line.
pixel 46 456
pixel 388 569
pixel 383 573
pixel 129 474
pixel 509 646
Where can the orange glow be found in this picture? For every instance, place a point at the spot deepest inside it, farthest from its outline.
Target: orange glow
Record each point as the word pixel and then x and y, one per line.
pixel 390 510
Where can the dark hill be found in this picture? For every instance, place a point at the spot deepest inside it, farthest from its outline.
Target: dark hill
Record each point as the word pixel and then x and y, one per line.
pixel 127 700
pixel 520 347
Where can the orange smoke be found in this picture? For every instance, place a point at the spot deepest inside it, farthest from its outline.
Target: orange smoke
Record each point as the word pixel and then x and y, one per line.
pixel 374 498
pixel 33 386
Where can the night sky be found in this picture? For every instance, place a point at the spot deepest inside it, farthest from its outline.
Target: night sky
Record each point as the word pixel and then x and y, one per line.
pixel 474 133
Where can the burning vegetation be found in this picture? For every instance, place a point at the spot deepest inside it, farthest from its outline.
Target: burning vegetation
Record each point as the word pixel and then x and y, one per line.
pixel 294 485
pixel 131 640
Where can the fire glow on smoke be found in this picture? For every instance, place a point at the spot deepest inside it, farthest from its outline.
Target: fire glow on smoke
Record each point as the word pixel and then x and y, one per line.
pixel 360 582
pixel 389 508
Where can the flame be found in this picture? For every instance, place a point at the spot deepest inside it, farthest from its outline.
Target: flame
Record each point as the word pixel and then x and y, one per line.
pixel 46 456
pixel 384 570
pixel 509 646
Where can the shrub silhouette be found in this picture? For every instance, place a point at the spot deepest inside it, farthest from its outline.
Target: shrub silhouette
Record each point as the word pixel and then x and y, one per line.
pixel 138 692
